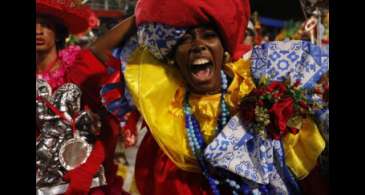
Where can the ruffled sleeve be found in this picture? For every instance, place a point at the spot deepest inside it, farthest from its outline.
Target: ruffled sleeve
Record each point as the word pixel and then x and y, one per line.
pixel 241 85
pixel 90 73
pixel 303 149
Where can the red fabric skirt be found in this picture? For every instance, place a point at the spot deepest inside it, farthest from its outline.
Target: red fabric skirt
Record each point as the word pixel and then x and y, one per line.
pixel 156 174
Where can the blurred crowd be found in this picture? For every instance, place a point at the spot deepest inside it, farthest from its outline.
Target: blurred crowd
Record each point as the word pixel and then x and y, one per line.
pixel 314 29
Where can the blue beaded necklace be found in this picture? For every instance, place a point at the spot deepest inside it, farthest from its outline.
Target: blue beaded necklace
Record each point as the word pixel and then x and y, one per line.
pixel 197 145
pixel 196 139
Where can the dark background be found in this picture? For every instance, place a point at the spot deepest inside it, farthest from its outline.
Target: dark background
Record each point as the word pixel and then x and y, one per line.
pixel 278 9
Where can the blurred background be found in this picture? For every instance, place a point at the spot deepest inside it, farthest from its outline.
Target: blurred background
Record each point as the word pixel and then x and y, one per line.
pixel 270 20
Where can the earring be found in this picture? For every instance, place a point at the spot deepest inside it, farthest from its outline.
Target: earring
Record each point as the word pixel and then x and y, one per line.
pixel 227 57
pixel 170 62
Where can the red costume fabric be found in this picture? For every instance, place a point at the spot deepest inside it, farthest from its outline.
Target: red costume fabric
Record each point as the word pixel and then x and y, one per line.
pixel 156 174
pixel 90 74
pixel 75 18
pixel 231 23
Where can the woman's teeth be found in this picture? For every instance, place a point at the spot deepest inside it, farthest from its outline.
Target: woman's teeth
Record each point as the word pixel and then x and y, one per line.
pixel 201 69
pixel 200 61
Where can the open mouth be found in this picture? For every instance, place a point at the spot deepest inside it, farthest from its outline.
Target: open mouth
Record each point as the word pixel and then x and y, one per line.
pixel 202 69
pixel 40 41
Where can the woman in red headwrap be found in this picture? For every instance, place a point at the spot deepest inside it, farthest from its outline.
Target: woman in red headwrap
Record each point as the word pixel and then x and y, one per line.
pixel 57 65
pixel 186 77
pixel 165 164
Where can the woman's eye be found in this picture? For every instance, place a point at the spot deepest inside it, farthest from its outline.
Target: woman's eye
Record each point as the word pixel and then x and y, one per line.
pixel 186 38
pixel 44 24
pixel 210 34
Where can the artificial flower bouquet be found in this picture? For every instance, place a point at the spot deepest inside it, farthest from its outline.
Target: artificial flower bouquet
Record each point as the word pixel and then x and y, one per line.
pixel 276 108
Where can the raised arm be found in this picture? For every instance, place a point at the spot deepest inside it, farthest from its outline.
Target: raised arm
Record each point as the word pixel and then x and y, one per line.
pixel 113 37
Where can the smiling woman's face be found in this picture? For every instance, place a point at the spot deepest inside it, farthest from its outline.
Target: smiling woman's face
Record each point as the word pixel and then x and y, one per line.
pixel 199 57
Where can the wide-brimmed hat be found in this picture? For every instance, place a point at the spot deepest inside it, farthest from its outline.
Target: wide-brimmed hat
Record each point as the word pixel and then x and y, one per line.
pixel 70 13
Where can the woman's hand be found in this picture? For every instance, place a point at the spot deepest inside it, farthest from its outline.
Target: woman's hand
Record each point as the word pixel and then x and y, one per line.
pixel 113 37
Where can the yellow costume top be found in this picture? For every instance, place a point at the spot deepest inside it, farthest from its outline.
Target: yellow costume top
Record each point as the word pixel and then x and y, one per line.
pixel 158 92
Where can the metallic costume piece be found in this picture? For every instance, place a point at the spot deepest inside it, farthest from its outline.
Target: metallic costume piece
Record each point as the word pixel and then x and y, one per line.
pixel 59 147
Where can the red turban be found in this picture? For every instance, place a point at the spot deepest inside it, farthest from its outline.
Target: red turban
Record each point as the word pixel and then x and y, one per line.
pixel 230 16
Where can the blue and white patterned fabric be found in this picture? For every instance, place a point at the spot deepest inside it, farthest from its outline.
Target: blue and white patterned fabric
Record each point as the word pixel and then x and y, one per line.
pixel 248 155
pixel 123 52
pixel 159 39
pixel 300 60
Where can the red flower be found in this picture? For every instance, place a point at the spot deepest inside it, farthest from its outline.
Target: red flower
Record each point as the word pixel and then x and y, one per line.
pixel 277 95
pixel 318 90
pixel 293 130
pixel 281 107
pixel 258 92
pixel 297 83
pixel 276 136
pixel 276 85
pixel 303 104
pixel 94 22
pixel 282 111
pixel 326 86
pixel 260 103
